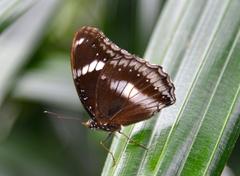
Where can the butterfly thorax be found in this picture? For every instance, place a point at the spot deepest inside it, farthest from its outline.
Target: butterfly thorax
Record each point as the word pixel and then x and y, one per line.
pixel 92 124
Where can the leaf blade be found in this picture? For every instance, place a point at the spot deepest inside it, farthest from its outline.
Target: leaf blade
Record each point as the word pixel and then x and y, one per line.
pixel 200 63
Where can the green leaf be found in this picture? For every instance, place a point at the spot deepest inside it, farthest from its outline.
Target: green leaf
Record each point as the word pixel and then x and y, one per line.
pixel 198 44
pixel 18 42
pixel 14 55
pixel 10 10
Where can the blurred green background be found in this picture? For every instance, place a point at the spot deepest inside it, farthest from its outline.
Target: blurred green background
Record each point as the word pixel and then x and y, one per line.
pixel 35 75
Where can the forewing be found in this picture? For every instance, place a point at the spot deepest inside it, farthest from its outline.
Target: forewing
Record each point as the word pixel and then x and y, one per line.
pixel 90 52
pixel 130 90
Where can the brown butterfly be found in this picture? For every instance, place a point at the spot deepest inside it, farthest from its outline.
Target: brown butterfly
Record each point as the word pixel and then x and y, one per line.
pixel 116 87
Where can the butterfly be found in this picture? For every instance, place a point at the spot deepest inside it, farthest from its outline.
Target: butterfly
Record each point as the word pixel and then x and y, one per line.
pixel 115 87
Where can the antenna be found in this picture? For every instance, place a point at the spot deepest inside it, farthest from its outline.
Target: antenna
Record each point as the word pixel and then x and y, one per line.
pixel 59 116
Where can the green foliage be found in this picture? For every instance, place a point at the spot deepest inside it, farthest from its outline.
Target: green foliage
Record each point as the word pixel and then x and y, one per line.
pixel 11 10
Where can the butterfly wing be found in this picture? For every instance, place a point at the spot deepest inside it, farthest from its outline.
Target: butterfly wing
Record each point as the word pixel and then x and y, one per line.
pixel 130 90
pixel 90 52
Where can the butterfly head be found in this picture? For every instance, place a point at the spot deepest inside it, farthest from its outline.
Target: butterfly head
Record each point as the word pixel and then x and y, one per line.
pixel 92 124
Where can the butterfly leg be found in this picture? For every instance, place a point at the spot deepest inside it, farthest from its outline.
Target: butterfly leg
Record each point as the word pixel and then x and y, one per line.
pixel 102 143
pixel 133 141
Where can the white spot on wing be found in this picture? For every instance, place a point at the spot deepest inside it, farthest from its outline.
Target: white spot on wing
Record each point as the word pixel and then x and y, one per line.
pixel 79 42
pixel 127 90
pixel 100 65
pixel 110 52
pixel 103 77
pixel 134 92
pixel 107 42
pixel 85 69
pixel 124 52
pixel 115 47
pixel 74 73
pixel 121 86
pixel 103 46
pixel 92 66
pixel 79 72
